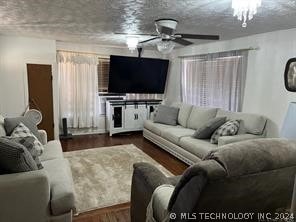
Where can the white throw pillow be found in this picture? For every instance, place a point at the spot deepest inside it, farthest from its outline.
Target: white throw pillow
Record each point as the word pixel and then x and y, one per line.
pixel 22 131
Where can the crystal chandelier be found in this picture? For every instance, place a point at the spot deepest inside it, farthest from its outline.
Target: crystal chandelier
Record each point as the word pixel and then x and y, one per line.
pixel 245 9
pixel 165 46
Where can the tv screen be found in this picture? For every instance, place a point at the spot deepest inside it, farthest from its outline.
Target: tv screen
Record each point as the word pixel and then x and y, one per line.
pixel 137 75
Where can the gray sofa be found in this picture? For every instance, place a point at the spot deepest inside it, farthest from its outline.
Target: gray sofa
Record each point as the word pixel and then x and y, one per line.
pixel 248 177
pixel 42 195
pixel 178 140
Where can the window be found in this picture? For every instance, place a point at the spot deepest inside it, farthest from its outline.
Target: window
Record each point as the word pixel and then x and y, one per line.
pixel 103 74
pixel 214 80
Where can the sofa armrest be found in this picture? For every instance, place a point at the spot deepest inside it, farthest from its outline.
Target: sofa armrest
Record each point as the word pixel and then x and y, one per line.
pixel 43 136
pixel 24 196
pixel 146 178
pixel 223 140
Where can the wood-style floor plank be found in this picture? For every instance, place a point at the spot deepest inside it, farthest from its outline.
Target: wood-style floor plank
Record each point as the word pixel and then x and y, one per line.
pixel 120 213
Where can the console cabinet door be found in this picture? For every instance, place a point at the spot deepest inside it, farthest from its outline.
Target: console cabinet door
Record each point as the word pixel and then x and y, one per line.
pixel 135 117
pixel 142 115
pixel 130 121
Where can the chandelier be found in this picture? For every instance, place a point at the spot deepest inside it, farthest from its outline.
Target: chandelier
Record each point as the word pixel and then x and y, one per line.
pixel 245 10
pixel 165 46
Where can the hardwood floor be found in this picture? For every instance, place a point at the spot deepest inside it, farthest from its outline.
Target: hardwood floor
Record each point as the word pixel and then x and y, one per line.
pixel 120 212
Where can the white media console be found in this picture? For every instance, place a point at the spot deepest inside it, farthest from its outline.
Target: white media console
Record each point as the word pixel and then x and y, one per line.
pixel 128 115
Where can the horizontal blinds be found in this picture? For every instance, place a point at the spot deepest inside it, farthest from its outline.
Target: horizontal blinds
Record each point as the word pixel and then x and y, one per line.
pixel 103 74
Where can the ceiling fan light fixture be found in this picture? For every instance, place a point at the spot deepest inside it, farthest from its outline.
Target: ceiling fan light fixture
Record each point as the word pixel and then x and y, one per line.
pixel 132 42
pixel 245 10
pixel 165 47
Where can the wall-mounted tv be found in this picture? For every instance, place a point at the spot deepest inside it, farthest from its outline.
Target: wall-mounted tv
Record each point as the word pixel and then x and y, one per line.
pixel 137 75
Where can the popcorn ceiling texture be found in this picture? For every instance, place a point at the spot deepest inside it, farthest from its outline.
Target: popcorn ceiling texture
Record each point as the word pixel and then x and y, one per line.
pixel 96 21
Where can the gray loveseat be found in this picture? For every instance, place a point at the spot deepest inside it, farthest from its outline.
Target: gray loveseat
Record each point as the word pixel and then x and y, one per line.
pixel 42 195
pixel 248 177
pixel 178 140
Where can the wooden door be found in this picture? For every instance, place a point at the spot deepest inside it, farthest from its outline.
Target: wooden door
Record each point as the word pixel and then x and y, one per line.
pixel 40 95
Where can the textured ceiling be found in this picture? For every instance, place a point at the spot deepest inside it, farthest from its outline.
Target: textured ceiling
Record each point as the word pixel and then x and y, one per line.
pixel 96 21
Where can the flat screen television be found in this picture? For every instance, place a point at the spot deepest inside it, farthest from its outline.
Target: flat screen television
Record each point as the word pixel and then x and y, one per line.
pixel 137 75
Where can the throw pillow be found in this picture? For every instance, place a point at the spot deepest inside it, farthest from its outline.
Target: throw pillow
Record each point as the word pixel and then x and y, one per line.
pixel 206 130
pixel 28 142
pixel 229 128
pixel 15 158
pixel 22 131
pixel 166 115
pixel 11 123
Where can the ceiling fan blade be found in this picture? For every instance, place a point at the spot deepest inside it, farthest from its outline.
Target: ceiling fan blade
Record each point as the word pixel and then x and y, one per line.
pixel 148 40
pixel 182 41
pixel 192 36
pixel 122 33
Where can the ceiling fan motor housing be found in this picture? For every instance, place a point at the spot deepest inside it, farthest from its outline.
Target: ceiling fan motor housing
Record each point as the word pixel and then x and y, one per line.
pixel 166 26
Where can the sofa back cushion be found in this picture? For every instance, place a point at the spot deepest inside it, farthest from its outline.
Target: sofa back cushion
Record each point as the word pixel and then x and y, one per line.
pixel 255 156
pixel 199 116
pixel 2 129
pixel 250 123
pixel 184 112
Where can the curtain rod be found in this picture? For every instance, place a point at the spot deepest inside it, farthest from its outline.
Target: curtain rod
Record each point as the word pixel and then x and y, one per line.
pixel 90 53
pixel 243 49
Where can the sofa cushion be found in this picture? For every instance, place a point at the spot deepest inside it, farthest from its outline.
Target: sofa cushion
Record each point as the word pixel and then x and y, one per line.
pixel 157 128
pixel 11 123
pixel 254 156
pixel 61 186
pixel 230 128
pixel 206 131
pixel 14 157
pixel 52 150
pixel 2 129
pixel 184 112
pixel 199 116
pixel 250 123
pixel 175 134
pixel 166 115
pixel 197 147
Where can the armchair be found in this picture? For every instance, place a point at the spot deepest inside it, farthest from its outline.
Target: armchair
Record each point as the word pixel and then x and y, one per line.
pixel 246 177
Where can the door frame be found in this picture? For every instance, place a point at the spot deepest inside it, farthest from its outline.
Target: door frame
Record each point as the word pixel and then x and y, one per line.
pixel 55 92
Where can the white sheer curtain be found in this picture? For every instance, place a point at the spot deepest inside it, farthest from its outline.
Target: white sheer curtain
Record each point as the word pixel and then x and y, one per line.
pixel 78 88
pixel 215 80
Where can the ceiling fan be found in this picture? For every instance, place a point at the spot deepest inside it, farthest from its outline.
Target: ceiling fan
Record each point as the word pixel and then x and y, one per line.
pixel 165 29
